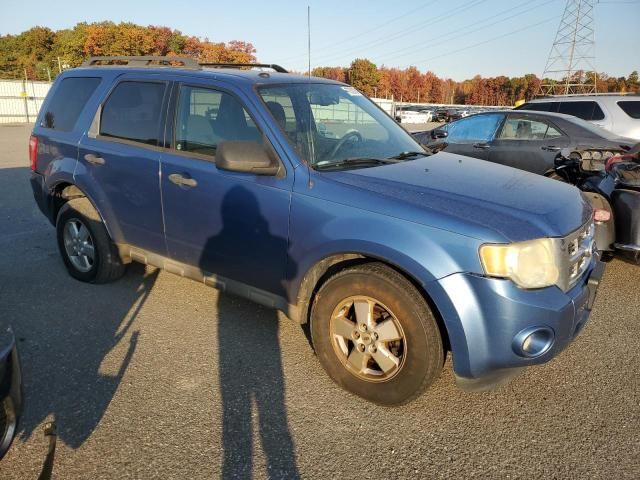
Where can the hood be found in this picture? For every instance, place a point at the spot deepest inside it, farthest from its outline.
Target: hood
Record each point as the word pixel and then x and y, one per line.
pixel 471 197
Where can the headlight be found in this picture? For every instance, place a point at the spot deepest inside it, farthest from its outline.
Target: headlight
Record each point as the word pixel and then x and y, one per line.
pixel 530 264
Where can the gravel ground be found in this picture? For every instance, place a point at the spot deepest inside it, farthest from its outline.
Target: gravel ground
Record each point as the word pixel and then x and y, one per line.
pixel 141 375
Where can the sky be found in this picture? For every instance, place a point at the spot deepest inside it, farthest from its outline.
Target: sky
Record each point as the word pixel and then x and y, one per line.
pixel 453 38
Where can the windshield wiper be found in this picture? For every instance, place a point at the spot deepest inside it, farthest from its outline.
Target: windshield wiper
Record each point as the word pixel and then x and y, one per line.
pixel 407 155
pixel 326 164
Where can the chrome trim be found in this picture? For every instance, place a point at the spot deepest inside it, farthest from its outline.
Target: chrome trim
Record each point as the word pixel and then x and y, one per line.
pixel 573 254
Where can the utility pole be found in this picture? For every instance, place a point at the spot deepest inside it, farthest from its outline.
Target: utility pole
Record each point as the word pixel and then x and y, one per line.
pixel 59 65
pixel 309 38
pixel 572 53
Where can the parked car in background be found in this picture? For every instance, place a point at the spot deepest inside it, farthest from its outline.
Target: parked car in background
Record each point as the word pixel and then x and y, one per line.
pixel 620 114
pixel 393 255
pixel 528 140
pixel 447 115
pixel 10 388
pixel 409 116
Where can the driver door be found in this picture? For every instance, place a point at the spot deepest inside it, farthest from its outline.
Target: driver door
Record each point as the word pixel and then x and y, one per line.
pixel 230 224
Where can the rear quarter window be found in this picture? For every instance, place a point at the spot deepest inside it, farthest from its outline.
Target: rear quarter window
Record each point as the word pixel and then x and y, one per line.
pixel 587 110
pixel 631 108
pixel 540 106
pixel 67 103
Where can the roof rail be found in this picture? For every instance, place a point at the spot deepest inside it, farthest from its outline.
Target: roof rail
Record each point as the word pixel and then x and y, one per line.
pixel 143 61
pixel 273 66
pixel 599 94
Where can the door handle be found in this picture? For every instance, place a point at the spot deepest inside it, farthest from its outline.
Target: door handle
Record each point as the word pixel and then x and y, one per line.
pixel 182 180
pixel 94 159
pixel 551 148
pixel 483 146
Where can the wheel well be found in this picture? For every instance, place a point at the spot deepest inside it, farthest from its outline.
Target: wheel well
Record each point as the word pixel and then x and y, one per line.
pixel 327 267
pixel 61 194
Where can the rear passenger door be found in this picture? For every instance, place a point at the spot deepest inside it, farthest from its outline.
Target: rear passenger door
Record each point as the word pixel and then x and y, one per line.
pixel 230 224
pixel 527 142
pixel 119 160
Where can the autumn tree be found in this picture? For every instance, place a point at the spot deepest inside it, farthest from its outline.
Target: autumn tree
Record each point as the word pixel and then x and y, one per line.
pixel 39 51
pixel 363 75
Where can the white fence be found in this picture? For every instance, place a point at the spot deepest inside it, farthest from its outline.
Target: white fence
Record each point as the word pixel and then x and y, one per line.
pixel 20 100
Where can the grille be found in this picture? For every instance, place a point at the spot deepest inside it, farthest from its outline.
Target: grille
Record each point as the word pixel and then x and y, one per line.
pixel 576 251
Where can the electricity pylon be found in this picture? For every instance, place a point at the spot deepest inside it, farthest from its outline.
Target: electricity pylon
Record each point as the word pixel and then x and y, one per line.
pixel 572 54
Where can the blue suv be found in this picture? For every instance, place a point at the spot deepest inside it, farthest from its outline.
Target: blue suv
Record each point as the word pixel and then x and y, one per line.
pixel 301 194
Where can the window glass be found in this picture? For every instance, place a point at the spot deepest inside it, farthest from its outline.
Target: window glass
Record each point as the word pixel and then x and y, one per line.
pixel 552 132
pixel 526 129
pixel 630 107
pixel 68 101
pixel 327 123
pixel 280 105
pixel 207 117
pixel 540 106
pixel 476 128
pixel 132 112
pixel 583 110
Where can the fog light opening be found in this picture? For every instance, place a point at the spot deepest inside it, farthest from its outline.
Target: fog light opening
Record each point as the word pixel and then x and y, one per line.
pixel 533 342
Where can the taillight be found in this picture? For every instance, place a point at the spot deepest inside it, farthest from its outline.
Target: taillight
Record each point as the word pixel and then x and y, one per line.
pixel 601 215
pixel 33 152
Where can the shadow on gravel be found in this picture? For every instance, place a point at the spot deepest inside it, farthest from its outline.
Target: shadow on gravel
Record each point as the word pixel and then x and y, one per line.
pixel 66 340
pixel 250 366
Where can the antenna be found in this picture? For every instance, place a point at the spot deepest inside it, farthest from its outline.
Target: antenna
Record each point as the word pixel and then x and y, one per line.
pixel 572 53
pixel 309 38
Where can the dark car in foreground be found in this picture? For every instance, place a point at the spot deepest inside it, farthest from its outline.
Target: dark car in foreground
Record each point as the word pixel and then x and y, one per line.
pixel 528 140
pixel 393 255
pixel 10 388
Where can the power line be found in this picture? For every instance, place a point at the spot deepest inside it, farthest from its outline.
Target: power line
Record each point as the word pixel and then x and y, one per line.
pixel 489 40
pixel 405 32
pixel 358 35
pixel 452 36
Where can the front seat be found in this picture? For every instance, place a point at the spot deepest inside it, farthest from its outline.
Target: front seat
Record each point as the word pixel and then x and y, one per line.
pixel 277 111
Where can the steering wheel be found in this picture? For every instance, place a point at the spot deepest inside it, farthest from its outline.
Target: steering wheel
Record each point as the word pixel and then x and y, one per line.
pixel 343 140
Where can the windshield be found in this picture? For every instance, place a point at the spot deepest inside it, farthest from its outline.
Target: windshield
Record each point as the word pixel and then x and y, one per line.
pixel 328 123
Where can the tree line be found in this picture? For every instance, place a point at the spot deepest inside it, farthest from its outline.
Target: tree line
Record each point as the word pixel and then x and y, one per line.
pixel 411 85
pixel 41 53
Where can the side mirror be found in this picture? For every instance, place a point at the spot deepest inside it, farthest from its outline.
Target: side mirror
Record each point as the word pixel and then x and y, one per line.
pixel 245 156
pixel 439 133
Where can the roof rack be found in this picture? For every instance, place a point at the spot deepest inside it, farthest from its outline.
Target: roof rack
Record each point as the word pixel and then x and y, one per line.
pixel 273 66
pixel 167 61
pixel 599 94
pixel 144 61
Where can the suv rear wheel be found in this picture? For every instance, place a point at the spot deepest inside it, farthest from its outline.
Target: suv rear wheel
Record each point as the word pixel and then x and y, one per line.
pixel 375 335
pixel 84 243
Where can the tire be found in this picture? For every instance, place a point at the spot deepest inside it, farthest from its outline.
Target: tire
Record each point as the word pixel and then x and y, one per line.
pixel 338 335
pixel 97 260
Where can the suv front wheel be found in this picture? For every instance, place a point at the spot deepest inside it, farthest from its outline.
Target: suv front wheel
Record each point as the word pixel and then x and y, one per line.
pixel 84 243
pixel 375 335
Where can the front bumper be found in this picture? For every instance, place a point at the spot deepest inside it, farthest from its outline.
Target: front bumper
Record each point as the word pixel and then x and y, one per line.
pixel 10 390
pixel 486 317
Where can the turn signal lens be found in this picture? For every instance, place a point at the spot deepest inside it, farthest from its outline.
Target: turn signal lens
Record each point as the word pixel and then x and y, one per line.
pixel 601 215
pixel 530 264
